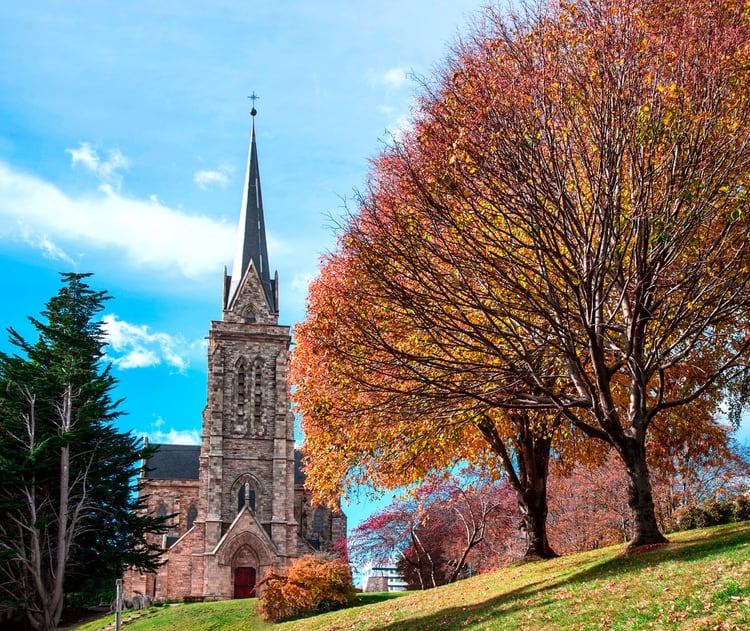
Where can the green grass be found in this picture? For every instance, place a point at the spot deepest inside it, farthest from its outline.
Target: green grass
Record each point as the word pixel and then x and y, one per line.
pixel 699 581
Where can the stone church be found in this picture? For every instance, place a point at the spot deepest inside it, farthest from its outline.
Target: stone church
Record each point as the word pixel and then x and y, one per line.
pixel 239 502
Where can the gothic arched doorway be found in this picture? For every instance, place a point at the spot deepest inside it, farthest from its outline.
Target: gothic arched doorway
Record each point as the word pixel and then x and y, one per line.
pixel 244 582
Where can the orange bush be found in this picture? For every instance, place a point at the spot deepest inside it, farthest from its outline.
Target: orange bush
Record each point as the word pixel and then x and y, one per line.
pixel 312 583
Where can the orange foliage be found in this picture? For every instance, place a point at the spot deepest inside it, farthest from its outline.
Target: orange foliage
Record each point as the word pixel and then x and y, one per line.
pixel 310 584
pixel 560 241
pixel 588 508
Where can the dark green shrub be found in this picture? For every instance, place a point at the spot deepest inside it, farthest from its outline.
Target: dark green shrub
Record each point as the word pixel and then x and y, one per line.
pixel 713 513
pixel 741 508
pixel 717 513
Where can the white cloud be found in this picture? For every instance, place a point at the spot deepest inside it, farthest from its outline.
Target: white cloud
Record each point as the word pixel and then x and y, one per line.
pixel 399 126
pixel 48 249
pixel 301 282
pixel 84 155
pixel 147 234
pixel 136 346
pixel 105 170
pixel 395 77
pixel 172 436
pixel 206 178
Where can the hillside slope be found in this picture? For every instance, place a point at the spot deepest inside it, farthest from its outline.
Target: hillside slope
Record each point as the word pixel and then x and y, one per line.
pixel 699 581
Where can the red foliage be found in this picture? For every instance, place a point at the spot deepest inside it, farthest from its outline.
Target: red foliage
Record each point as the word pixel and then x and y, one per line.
pixel 440 529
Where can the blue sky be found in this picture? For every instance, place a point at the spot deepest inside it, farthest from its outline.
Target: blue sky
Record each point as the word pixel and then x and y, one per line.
pixel 124 129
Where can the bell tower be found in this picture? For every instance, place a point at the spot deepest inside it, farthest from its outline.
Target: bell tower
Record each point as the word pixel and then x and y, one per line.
pixel 239 502
pixel 247 453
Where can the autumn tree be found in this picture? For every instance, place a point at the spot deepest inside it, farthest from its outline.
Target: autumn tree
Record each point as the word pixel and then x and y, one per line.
pixel 435 531
pixel 387 402
pixel 588 508
pixel 69 516
pixel 561 233
pixel 691 478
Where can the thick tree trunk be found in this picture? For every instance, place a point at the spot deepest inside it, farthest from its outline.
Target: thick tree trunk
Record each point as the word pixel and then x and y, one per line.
pixel 640 499
pixel 534 515
pixel 528 478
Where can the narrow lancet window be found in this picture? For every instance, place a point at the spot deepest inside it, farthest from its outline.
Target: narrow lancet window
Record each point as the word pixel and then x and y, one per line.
pixel 258 394
pixel 318 521
pixel 241 389
pixel 246 497
pixel 192 514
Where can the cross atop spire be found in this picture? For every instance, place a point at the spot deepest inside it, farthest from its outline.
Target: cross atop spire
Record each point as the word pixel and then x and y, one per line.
pixel 253 98
pixel 251 238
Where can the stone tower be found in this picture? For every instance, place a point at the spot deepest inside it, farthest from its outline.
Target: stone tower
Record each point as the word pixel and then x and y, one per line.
pixel 247 454
pixel 239 502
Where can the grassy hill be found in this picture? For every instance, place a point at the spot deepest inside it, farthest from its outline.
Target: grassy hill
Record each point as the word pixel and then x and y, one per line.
pixel 699 581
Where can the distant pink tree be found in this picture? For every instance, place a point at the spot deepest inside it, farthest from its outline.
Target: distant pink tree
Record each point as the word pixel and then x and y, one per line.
pixel 433 530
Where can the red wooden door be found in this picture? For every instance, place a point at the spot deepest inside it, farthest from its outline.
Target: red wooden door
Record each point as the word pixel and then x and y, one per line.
pixel 244 582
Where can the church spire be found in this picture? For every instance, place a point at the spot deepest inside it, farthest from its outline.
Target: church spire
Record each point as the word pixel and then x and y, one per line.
pixel 251 237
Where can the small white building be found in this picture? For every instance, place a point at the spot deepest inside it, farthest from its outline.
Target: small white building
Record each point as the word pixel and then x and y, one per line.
pixel 382 576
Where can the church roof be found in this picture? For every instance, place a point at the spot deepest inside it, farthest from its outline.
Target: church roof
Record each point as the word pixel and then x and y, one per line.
pixel 174 462
pixel 251 238
pixel 182 462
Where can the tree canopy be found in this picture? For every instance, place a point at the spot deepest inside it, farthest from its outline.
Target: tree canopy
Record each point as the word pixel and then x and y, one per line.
pixel 69 517
pixel 560 233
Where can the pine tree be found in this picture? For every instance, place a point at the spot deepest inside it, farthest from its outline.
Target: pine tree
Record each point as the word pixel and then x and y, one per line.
pixel 70 518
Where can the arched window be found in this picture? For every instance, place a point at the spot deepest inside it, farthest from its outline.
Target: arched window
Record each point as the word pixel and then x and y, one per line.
pixel 191 516
pixel 250 317
pixel 161 511
pixel 318 521
pixel 246 495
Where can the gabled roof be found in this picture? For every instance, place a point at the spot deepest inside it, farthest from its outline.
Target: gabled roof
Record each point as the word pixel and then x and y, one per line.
pixel 174 462
pixel 182 462
pixel 251 238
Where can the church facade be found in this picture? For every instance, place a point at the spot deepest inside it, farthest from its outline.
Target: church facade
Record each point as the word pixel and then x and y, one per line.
pixel 239 502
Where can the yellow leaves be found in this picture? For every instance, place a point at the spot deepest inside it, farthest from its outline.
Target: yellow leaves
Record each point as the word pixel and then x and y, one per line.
pixel 575 137
pixel 732 125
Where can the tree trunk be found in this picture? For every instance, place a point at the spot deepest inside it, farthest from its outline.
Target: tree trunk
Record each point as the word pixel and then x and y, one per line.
pixel 528 478
pixel 640 499
pixel 49 581
pixel 534 515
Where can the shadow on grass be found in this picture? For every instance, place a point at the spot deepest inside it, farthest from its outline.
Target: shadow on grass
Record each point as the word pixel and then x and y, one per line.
pixel 684 550
pixel 370 598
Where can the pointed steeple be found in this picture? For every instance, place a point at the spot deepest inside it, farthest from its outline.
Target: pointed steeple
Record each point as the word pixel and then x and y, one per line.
pixel 251 237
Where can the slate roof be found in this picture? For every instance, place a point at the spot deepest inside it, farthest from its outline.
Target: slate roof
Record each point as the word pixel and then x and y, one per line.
pixel 182 462
pixel 174 462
